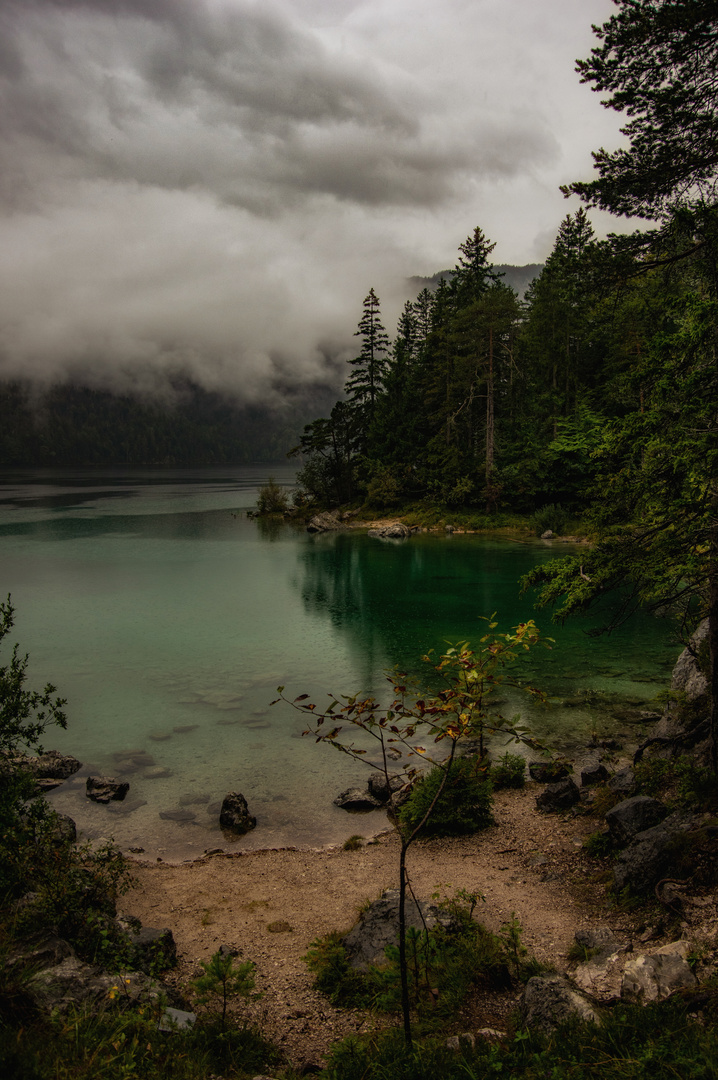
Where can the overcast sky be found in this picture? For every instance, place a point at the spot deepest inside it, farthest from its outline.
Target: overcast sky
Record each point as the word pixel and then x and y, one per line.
pixel 213 186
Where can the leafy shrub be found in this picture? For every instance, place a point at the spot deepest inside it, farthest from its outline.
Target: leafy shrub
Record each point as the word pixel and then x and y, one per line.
pixel 272 498
pixel 509 772
pixel 74 893
pixel 552 517
pixel 463 807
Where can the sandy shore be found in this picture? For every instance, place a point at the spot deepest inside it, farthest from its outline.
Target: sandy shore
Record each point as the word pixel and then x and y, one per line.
pixel 270 905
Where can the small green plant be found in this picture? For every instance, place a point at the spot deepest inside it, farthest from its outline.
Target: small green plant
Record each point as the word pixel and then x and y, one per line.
pixel 334 976
pixel 508 772
pixel 551 517
pixel 222 979
pixel 599 844
pixel 581 954
pixel 272 498
pixel 463 805
pixel 354 843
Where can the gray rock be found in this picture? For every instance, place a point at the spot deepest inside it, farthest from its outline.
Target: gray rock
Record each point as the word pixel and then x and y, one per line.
pixel 357 799
pixel 632 816
pixel 466 1038
pixel 596 937
pixel 327 521
pixel 378 927
pixel 593 771
pixel 64 829
pixel 687 676
pixel 600 975
pixel 176 1020
pixel 549 1000
pixel 656 975
pixel 53 765
pixel 65 982
pixel 646 859
pixel 235 815
pixel 557 797
pixel 104 789
pixel 623 782
pixel 379 788
pixel 548 535
pixel 396 531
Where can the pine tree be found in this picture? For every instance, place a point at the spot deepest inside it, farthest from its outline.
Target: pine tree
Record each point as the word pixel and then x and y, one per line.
pixel 366 381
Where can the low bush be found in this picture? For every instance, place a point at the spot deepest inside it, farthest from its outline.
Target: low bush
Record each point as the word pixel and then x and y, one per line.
pixel 551 517
pixel 463 807
pixel 508 772
pixel 272 499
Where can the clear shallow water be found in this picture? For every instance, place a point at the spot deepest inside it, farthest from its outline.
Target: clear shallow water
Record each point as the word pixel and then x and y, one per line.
pixel 168 619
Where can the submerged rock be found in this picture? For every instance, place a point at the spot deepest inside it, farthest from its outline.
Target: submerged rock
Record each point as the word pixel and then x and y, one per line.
pixel 357 799
pixel 104 789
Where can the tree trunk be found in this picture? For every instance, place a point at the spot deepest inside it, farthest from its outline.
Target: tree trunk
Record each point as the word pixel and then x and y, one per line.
pixel 490 419
pixel 403 970
pixel 713 647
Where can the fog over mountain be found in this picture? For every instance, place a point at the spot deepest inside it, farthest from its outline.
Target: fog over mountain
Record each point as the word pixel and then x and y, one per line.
pixel 209 188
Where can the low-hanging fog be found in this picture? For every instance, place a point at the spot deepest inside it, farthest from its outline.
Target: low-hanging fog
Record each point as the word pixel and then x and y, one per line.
pixel 211 187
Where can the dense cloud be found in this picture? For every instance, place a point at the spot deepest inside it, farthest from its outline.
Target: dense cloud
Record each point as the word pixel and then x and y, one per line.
pixel 213 185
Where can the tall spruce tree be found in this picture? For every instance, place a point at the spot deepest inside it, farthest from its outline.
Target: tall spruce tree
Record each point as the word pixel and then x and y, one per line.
pixel 366 381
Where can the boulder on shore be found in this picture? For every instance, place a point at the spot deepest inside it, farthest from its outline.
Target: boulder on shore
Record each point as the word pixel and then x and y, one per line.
pixel 556 797
pixel 327 521
pixel 550 1000
pixel 632 816
pixel 687 675
pixel 396 531
pixel 378 927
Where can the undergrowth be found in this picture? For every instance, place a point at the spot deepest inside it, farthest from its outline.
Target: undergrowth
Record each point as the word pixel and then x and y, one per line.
pixel 662 1041
pixel 444 963
pixel 123 1040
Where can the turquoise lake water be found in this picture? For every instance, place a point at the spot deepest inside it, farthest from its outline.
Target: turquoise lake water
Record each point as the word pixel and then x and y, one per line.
pixel 167 619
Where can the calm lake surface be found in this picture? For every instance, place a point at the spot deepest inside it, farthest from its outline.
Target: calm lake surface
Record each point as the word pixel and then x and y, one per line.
pixel 168 619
